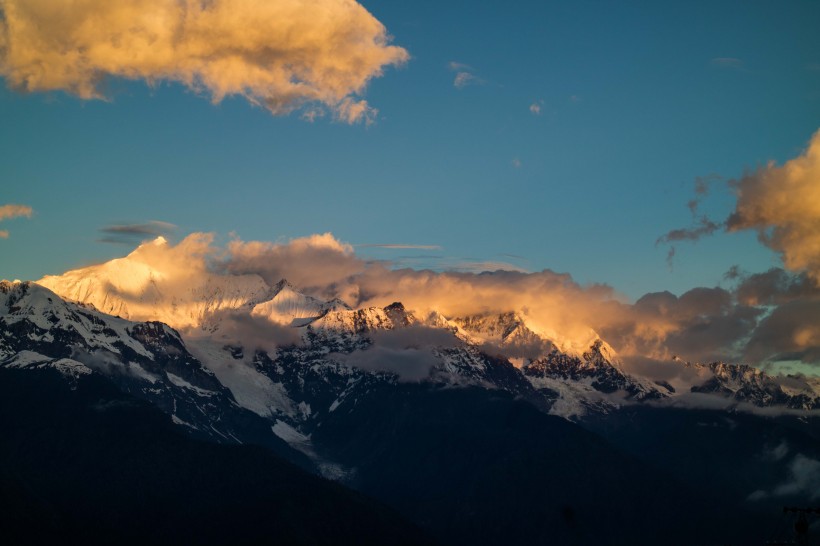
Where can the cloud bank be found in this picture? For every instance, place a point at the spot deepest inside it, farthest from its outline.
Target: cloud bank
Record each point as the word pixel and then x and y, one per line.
pixel 281 55
pixel 761 319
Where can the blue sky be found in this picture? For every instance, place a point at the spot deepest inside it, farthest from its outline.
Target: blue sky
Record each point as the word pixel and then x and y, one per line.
pixel 636 100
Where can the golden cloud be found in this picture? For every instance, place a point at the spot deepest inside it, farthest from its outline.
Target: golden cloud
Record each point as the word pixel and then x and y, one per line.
pixel 783 205
pixel 279 54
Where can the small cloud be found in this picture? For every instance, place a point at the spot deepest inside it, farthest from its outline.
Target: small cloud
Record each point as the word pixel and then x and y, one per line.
pixel 7 212
pixel 402 246
pixel 355 111
pixel 727 62
pixel 535 108
pixel 126 234
pixel 463 79
pixel 312 114
pixel 516 163
pixel 464 75
pixel 814 67
pixel 11 211
pixel 575 98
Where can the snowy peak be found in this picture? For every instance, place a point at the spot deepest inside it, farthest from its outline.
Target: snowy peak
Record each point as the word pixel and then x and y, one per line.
pixel 505 330
pixel 359 321
pixel 139 287
pixel 289 307
pixel 596 368
pixel 744 383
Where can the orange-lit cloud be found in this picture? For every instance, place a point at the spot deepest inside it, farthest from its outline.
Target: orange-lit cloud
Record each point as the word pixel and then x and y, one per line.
pixel 281 55
pixel 783 205
pixel 767 317
pixel 10 211
pixel 780 203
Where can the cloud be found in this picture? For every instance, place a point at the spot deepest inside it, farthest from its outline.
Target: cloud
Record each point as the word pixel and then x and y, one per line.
pixel 7 212
pixel 765 318
pixel 790 332
pixel 727 62
pixel 254 333
pixel 407 352
pixel 803 481
pixel 281 55
pixel 401 246
pixel 11 211
pixel 516 163
pixel 318 264
pixel 535 108
pixel 464 75
pixel 780 203
pixel 134 233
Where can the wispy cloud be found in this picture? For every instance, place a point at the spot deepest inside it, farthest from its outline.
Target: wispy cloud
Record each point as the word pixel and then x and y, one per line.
pixel 727 62
pixel 279 55
pixel 11 211
pixel 400 246
pixel 535 107
pixel 465 75
pixel 126 234
pixel 516 163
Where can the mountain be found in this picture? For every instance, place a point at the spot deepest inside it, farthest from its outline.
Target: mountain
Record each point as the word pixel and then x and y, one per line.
pixel 141 286
pixel 148 360
pixel 481 411
pixel 289 307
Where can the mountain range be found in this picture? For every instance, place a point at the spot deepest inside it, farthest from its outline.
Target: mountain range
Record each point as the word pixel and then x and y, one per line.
pixel 483 429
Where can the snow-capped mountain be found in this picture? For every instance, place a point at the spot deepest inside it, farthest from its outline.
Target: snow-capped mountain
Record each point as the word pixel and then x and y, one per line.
pixel 148 360
pixel 744 383
pixel 289 307
pixel 567 376
pixel 142 287
pixel 345 384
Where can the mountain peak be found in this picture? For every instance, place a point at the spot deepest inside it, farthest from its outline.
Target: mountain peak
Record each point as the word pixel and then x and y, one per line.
pixel 281 285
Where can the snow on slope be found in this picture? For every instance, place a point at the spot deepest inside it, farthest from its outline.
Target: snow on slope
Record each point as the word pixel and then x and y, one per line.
pixel 292 308
pixel 24 302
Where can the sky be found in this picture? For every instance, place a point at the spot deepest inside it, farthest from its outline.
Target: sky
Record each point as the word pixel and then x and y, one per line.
pixel 569 136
